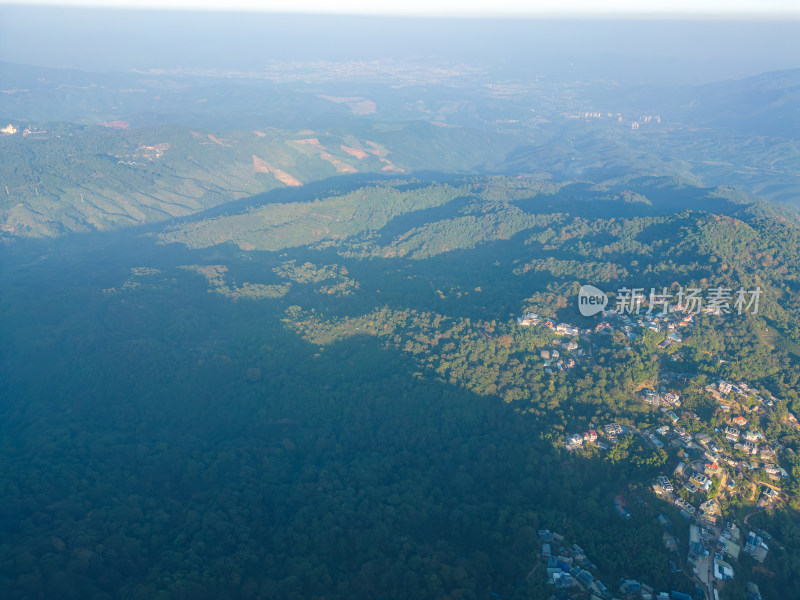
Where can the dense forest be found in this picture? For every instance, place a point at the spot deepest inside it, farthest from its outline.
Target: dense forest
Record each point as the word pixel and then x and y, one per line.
pixel 332 398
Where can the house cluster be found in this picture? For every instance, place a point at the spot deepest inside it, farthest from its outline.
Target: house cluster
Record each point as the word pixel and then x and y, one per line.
pixel 611 432
pixel 740 396
pixel 708 550
pixel 677 436
pixel 566 329
pixel 528 319
pixel 569 570
pixel 631 588
pixel 8 130
pixel 703 541
pixel 568 566
pixel 554 359
pixel 573 441
pixel 668 323
pixel 565 352
pixel 563 328
pixel 755 546
pixel 731 452
pixel 751 444
pixel 750 440
pixel 726 547
pixel 694 481
pixel 718 463
pixel 652 398
pixel 576 440
pixel 769 497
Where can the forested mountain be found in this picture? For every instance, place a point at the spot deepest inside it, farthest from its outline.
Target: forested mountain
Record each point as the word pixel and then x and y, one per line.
pixel 71 178
pixel 312 325
pixel 332 396
pixel 95 151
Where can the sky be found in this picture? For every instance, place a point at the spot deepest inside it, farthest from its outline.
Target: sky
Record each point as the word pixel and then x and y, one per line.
pixel 706 45
pixel 466 8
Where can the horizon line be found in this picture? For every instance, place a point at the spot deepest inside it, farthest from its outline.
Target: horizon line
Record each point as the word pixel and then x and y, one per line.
pixel 308 8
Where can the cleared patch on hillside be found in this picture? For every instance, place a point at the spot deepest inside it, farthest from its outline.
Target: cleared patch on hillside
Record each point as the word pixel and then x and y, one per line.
pixel 314 143
pixel 262 166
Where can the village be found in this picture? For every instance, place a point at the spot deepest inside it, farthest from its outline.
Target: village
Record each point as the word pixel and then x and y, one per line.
pixel 716 464
pixel 569 570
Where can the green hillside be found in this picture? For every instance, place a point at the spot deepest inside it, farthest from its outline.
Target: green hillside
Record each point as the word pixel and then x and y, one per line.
pixel 308 375
pixel 74 178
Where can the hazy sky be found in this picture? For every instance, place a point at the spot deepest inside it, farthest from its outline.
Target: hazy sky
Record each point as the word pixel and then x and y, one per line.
pixel 744 8
pixel 681 48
